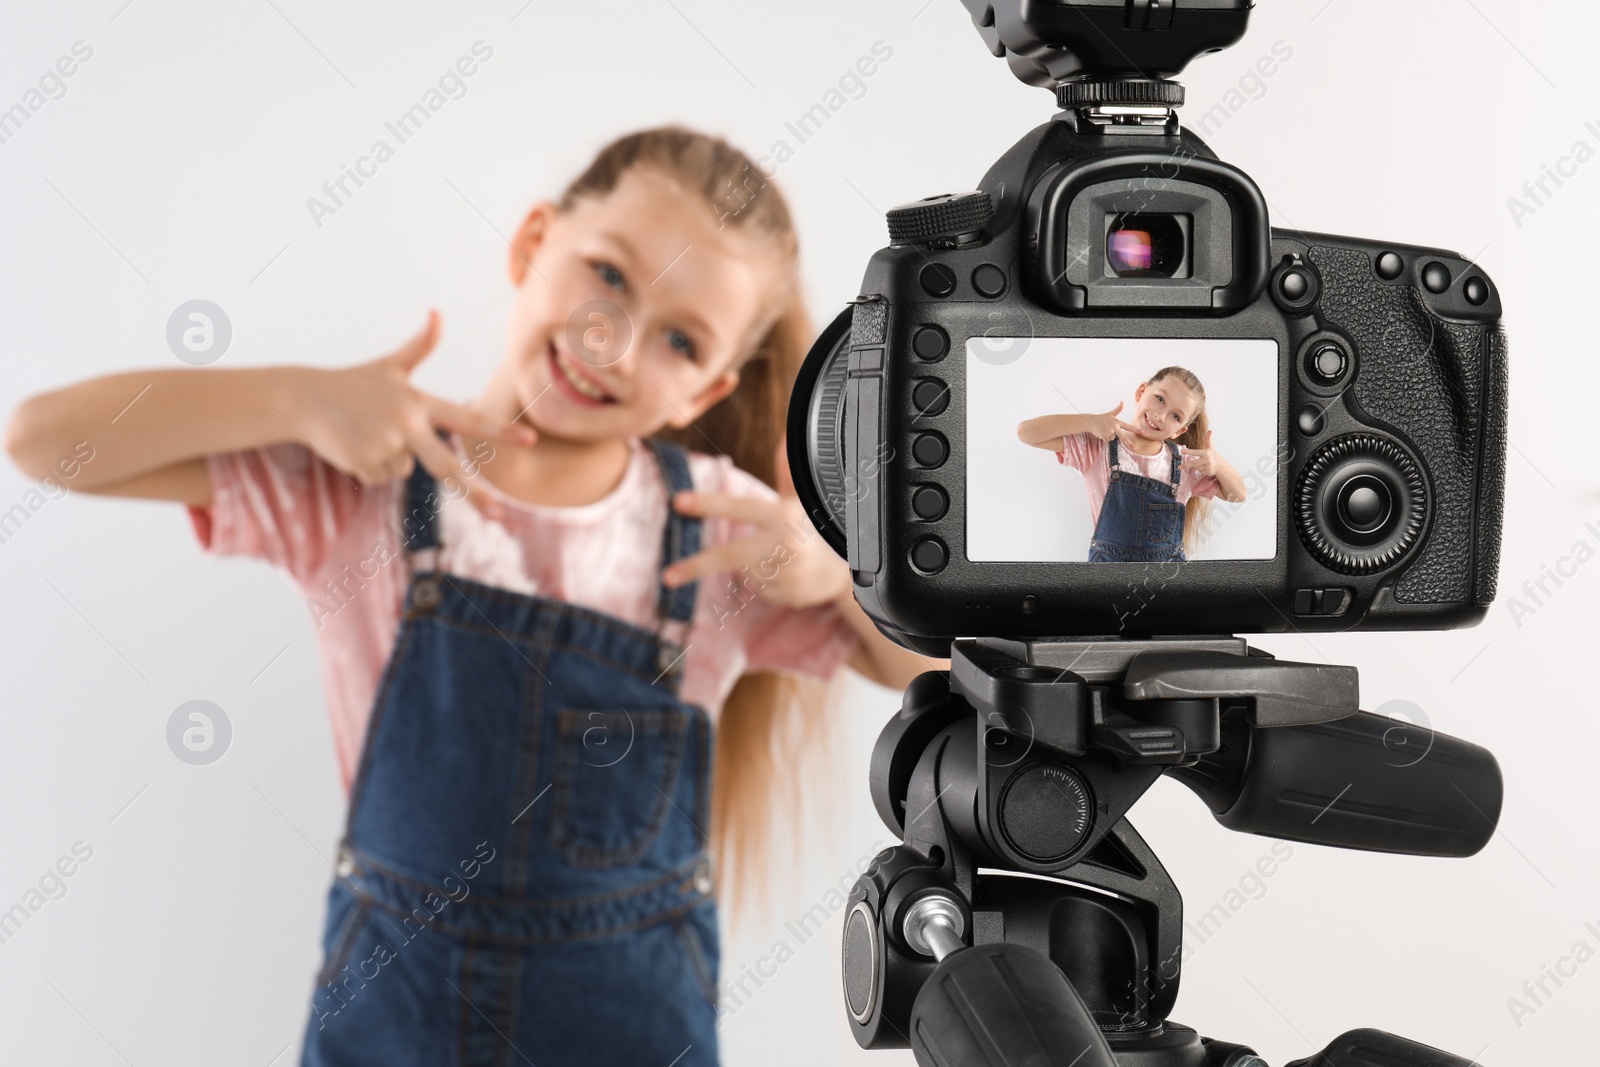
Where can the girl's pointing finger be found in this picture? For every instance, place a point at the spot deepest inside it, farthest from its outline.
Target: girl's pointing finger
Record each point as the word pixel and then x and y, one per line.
pixel 725 505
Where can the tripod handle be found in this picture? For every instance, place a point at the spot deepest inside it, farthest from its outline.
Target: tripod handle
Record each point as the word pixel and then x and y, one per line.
pixel 1364 781
pixel 1376 1048
pixel 1003 1005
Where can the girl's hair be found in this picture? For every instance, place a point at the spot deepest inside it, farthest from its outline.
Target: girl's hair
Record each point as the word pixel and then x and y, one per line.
pixel 1198 508
pixel 774 731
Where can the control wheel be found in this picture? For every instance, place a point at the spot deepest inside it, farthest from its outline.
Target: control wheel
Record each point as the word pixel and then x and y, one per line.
pixel 1360 503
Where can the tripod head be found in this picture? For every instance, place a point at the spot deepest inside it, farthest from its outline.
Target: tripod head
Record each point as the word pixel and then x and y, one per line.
pixel 1107 52
pixel 1009 778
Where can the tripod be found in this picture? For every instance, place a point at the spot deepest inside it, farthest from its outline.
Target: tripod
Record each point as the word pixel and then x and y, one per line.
pixel 1023 920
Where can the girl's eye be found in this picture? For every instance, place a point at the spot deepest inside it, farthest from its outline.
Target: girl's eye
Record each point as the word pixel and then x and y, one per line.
pixel 680 343
pixel 611 276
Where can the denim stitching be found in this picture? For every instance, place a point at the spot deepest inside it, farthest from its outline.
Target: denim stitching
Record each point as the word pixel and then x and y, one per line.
pixel 519 844
pixel 699 966
pixel 344 941
pixel 375 720
pixel 678 873
pixel 671 726
pixel 463 1005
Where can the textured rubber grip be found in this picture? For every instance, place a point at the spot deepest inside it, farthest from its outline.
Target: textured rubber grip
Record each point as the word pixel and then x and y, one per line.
pixel 1003 1005
pixel 1375 1048
pixel 1369 782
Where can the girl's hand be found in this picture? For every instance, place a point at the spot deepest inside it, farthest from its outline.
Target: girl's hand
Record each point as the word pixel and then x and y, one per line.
pixel 369 420
pixel 1203 460
pixel 1106 425
pixel 784 568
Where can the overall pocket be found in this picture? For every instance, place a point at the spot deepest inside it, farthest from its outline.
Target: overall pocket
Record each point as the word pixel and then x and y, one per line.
pixel 1163 523
pixel 615 773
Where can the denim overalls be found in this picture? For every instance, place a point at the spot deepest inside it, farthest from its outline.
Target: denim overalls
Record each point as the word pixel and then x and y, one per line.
pixel 1141 520
pixel 524 876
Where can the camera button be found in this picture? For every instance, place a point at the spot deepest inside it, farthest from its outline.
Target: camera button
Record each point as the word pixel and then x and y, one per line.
pixel 1436 277
pixel 930 343
pixel 929 449
pixel 1309 420
pixel 937 280
pixel 989 280
pixel 1327 363
pixel 929 502
pixel 1305 601
pixel 1390 266
pixel 928 555
pixel 1476 291
pixel 930 396
pixel 1364 504
pixel 1294 285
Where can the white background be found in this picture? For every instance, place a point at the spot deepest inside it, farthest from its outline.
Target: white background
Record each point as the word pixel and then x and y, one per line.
pixel 177 166
pixel 1023 504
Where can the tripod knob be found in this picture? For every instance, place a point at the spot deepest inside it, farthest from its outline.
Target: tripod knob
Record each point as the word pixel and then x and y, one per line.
pixel 1004 1005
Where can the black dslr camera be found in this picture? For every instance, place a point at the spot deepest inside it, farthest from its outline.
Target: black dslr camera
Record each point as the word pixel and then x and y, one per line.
pixel 1082 426
pixel 1357 387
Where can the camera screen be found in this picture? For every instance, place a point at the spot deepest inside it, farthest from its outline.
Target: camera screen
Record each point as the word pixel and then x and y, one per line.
pixel 1123 450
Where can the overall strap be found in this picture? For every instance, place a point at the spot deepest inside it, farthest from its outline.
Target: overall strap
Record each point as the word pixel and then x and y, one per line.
pixel 1111 454
pixel 420 520
pixel 681 538
pixel 1177 465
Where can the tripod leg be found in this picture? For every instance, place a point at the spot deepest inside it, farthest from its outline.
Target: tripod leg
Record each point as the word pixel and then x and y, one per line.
pixel 1375 1048
pixel 1003 1005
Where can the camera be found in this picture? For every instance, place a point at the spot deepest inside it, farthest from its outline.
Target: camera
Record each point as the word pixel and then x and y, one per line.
pixel 1350 393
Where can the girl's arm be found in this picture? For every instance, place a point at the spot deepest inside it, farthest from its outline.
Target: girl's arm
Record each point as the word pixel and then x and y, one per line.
pixel 879 658
pixel 150 431
pixel 1046 431
pixel 1208 460
pixel 797 569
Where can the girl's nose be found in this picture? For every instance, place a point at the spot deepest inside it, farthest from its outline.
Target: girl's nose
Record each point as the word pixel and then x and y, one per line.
pixel 601 334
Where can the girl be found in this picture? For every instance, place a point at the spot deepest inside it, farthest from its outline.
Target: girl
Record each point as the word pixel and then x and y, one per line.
pixel 1149 480
pixel 530 622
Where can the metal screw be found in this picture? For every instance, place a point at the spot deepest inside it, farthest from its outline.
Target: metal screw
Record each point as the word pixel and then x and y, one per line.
pixel 934 926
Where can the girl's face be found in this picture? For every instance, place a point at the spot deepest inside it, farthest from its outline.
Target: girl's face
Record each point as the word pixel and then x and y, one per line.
pixel 630 312
pixel 1162 410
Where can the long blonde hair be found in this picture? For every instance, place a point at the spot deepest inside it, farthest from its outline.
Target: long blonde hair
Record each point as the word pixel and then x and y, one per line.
pixel 1198 509
pixel 774 731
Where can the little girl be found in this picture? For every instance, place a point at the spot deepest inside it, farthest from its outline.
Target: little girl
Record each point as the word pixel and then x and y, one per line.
pixel 1149 479
pixel 530 620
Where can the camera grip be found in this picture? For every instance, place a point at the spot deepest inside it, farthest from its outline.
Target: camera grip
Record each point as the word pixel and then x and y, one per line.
pixel 1365 781
pixel 1442 384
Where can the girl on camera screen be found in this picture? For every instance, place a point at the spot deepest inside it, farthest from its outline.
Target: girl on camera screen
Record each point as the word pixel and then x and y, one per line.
pixel 1150 479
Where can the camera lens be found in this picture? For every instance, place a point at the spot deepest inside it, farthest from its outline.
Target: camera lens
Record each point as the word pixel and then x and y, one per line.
pixel 1144 246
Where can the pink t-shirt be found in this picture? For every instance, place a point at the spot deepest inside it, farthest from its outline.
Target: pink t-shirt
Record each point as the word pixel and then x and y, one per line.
pixel 1087 453
pixel 342 546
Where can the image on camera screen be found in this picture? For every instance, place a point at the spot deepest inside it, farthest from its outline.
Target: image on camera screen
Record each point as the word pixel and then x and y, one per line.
pixel 1124 450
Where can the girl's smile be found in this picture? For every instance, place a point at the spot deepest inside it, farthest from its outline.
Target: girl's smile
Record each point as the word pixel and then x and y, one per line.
pixel 575 382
